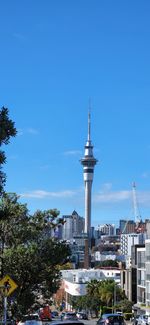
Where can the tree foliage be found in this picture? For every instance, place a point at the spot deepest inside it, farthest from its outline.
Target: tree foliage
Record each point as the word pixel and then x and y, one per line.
pixel 101 295
pixel 107 263
pixel 87 304
pixel 30 254
pixel 7 130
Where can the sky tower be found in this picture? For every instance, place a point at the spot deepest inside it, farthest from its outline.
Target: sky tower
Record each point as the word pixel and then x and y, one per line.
pixel 88 162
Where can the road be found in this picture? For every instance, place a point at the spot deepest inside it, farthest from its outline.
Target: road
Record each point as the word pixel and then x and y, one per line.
pixel 91 321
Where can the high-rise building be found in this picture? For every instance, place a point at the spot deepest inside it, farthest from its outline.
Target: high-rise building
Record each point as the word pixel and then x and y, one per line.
pixel 127 226
pixel 129 240
pixel 88 162
pixel 107 229
pixel 73 226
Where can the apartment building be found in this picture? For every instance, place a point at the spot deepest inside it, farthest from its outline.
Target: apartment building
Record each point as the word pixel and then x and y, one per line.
pixel 127 226
pixel 129 240
pixel 147 268
pixel 107 229
pixel 136 280
pixel 141 276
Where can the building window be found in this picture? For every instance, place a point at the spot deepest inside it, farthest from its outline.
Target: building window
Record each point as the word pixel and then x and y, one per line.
pixel 141 259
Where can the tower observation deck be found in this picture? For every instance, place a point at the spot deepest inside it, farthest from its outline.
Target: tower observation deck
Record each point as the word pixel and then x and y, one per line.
pixel 88 162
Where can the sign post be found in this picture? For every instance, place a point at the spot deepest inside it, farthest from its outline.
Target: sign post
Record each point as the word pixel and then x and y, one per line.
pixel 7 286
pixel 3 290
pixel 5 310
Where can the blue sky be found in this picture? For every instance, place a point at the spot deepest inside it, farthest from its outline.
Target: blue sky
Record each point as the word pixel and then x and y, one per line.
pixel 55 55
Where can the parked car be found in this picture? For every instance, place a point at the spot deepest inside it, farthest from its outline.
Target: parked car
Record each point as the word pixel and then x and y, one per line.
pixel 142 320
pixel 82 315
pixel 54 313
pixel 134 319
pixel 69 316
pixel 112 319
pixel 30 319
pixel 9 322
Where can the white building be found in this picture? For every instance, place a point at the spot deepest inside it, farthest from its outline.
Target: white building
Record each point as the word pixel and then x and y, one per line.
pixel 141 275
pixel 143 278
pixel 75 281
pixel 147 265
pixel 128 240
pixel 100 257
pixel 107 229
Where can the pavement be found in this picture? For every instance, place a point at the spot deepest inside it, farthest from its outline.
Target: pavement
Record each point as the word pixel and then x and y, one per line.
pixel 90 321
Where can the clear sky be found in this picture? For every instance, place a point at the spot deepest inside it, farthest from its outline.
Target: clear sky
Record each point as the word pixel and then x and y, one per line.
pixel 55 55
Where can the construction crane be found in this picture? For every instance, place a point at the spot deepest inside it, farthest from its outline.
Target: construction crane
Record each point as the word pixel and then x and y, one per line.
pixel 136 212
pixel 137 215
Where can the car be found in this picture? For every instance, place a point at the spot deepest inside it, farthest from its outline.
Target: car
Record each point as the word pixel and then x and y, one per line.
pixel 142 320
pixel 9 322
pixel 54 313
pixel 69 316
pixel 112 319
pixel 82 315
pixel 30 319
pixel 134 320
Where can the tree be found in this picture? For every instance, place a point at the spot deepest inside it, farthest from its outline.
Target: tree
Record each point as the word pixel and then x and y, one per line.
pixel 100 296
pixel 93 288
pixel 107 263
pixel 126 307
pixel 110 293
pixel 7 130
pixel 27 250
pixel 91 301
pixel 30 255
pixel 86 303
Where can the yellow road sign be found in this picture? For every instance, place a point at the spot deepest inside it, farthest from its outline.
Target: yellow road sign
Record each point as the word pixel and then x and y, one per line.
pixel 7 285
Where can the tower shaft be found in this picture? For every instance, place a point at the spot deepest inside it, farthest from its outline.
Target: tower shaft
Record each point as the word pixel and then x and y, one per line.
pixel 88 162
pixel 88 190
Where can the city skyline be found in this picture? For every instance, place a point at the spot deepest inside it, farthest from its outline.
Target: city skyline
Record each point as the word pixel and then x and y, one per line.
pixel 54 57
